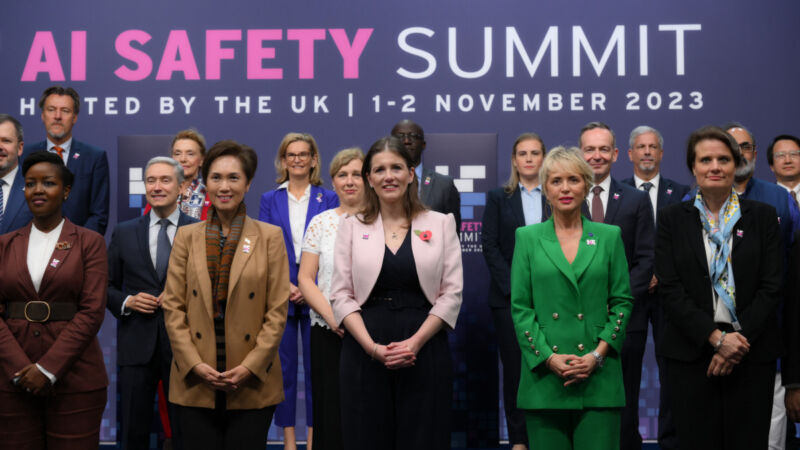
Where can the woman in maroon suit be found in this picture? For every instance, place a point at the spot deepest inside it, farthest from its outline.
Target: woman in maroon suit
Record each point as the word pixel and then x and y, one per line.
pixel 52 299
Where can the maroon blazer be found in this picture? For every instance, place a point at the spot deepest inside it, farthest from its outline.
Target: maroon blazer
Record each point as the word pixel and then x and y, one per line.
pixel 67 349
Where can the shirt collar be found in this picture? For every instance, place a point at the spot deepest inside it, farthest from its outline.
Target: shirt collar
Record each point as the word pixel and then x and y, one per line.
pixel 66 146
pixel 536 189
pixel 796 188
pixel 654 181
pixel 285 185
pixel 605 184
pixel 418 172
pixel 173 218
pixel 9 178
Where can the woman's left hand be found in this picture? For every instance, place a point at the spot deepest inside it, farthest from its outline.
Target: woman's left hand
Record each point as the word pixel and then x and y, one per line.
pixel 580 369
pixel 401 354
pixel 236 376
pixel 33 381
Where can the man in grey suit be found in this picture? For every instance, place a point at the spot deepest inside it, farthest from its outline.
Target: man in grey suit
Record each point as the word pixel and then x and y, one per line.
pixel 437 191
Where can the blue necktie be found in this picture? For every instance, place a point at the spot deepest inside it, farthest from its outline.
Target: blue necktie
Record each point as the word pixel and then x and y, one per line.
pixel 2 206
pixel 163 248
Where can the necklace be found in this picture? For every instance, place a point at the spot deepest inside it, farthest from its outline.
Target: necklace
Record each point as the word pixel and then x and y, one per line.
pixel 393 232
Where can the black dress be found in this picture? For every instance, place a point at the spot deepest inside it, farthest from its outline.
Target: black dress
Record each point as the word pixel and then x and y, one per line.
pixel 396 409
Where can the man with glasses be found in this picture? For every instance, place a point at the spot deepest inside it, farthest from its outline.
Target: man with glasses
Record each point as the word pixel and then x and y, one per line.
pixel 783 155
pixel 437 191
pixel 630 209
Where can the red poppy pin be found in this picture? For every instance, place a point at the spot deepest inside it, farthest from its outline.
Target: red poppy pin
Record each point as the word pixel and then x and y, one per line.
pixel 424 235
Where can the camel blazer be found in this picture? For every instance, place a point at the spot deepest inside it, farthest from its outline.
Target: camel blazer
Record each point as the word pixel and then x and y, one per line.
pixel 358 258
pixel 78 273
pixel 255 315
pixel 564 308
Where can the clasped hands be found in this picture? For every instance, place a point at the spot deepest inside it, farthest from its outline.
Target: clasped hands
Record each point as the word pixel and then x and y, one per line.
pixel 144 303
pixel 572 368
pixel 734 347
pixel 228 381
pixel 30 379
pixel 396 355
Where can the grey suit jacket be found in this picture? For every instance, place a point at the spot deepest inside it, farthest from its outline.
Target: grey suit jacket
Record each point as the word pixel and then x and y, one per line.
pixel 439 193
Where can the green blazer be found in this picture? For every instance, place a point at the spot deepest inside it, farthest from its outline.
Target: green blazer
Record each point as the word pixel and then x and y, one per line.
pixel 565 308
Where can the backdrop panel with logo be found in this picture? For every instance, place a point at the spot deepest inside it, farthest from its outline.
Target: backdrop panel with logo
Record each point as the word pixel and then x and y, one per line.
pixel 473 74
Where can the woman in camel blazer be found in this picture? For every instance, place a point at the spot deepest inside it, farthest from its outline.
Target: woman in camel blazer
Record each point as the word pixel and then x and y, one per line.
pixel 396 287
pixel 225 312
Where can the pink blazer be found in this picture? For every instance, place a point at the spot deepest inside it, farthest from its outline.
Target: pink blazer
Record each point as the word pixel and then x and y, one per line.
pixel 358 258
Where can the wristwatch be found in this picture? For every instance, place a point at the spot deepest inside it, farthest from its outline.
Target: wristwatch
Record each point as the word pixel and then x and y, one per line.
pixel 599 358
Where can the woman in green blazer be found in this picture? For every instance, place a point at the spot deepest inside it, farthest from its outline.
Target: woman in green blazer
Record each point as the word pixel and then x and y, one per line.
pixel 570 302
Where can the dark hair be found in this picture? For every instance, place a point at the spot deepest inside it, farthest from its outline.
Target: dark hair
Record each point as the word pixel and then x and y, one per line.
pixel 411 202
pixel 67 178
pixel 17 126
pixel 712 133
pixel 246 155
pixel 600 125
pixel 59 90
pixel 770 153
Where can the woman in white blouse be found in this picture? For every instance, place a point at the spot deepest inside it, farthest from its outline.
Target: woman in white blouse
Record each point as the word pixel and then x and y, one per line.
pixel 317 263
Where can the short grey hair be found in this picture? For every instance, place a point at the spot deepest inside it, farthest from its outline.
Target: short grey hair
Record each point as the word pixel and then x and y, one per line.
pixel 642 129
pixel 596 125
pixel 167 160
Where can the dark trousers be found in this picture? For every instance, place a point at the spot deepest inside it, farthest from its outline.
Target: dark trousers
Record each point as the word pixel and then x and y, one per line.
pixel 137 387
pixel 396 409
pixel 730 412
pixel 632 355
pixel 61 422
pixel 511 357
pixel 287 410
pixel 220 429
pixel 326 349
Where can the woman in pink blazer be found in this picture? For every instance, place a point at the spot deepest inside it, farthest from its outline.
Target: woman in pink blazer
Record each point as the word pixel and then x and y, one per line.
pixel 396 288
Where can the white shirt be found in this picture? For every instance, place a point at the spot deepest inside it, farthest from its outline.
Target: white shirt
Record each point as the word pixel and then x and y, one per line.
pixel 606 185
pixel 721 313
pixel 653 190
pixel 298 208
pixel 66 146
pixel 9 179
pixel 320 240
pixel 796 190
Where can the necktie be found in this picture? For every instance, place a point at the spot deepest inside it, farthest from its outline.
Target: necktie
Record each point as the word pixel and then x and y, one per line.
pixel 60 151
pixel 646 186
pixel 163 248
pixel 597 205
pixel 2 206
pixel 794 197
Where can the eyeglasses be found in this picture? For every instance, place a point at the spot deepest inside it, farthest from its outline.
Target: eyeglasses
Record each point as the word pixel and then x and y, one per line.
pixel 410 136
pixel 746 147
pixel 302 156
pixel 794 154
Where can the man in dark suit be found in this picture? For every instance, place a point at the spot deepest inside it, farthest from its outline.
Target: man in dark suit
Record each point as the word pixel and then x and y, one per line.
pixel 645 152
pixel 630 209
pixel 14 212
pixel 137 266
pixel 87 204
pixel 437 191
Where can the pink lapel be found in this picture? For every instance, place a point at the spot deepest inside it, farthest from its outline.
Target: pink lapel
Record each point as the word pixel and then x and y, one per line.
pixel 368 250
pixel 427 253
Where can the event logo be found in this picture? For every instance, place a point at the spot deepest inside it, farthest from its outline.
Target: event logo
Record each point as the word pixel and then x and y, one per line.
pixel 136 191
pixel 472 204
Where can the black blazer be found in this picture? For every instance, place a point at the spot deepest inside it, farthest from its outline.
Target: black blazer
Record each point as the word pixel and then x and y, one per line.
pixel 790 364
pixel 439 193
pixel 130 271
pixel 685 286
pixel 669 191
pixel 502 215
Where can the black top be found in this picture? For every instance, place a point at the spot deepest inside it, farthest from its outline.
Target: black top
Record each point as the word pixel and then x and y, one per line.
pixel 399 271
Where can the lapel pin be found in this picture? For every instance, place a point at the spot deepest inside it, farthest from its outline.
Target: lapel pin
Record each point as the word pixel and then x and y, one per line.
pixel 76 155
pixel 54 263
pixel 591 242
pixel 64 245
pixel 365 236
pixel 739 233
pixel 246 248
pixel 427 180
pixel 246 240
pixel 591 234
pixel 319 197
pixel 616 196
pixel 669 191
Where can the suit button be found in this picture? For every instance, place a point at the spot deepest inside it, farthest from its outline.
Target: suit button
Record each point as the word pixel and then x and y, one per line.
pixel 199 336
pixel 252 294
pixel 555 316
pixel 613 336
pixel 194 292
pixel 616 328
pixel 619 322
pixel 246 337
pixel 37 333
pixel 536 352
pixel 580 316
pixel 555 348
pixel 621 315
pixel 530 339
pixel 527 333
pixel 533 347
pixel 580 347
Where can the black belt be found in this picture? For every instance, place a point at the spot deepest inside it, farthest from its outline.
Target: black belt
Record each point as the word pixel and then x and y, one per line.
pixel 38 311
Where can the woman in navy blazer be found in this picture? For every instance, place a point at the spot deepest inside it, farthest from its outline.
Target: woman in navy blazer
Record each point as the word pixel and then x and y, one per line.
pixel 291 206
pixel 504 213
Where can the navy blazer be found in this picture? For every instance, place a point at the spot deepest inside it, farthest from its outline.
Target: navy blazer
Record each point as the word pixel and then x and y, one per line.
pixel 87 204
pixel 685 287
pixel 439 193
pixel 16 214
pixel 502 216
pixel 630 209
pixel 669 191
pixel 274 209
pixel 130 271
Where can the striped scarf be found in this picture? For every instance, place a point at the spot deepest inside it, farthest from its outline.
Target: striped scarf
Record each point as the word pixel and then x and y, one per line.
pixel 219 260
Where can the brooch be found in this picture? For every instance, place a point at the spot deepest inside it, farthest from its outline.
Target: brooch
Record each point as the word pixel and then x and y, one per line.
pixel 591 242
pixel 427 180
pixel 64 245
pixel 54 263
pixel 365 236
pixel 319 197
pixel 424 235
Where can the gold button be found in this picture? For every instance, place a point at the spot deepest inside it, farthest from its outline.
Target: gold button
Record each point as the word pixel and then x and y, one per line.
pixel 580 347
pixel 533 347
pixel 613 336
pixel 621 315
pixel 530 339
pixel 555 316
pixel 555 348
pixel 537 352
pixel 580 316
pixel 619 322
pixel 616 328
pixel 527 333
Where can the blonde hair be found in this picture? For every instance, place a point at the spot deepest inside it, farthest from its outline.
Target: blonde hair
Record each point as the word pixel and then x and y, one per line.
pixel 343 158
pixel 192 135
pixel 513 179
pixel 570 159
pixel 283 173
